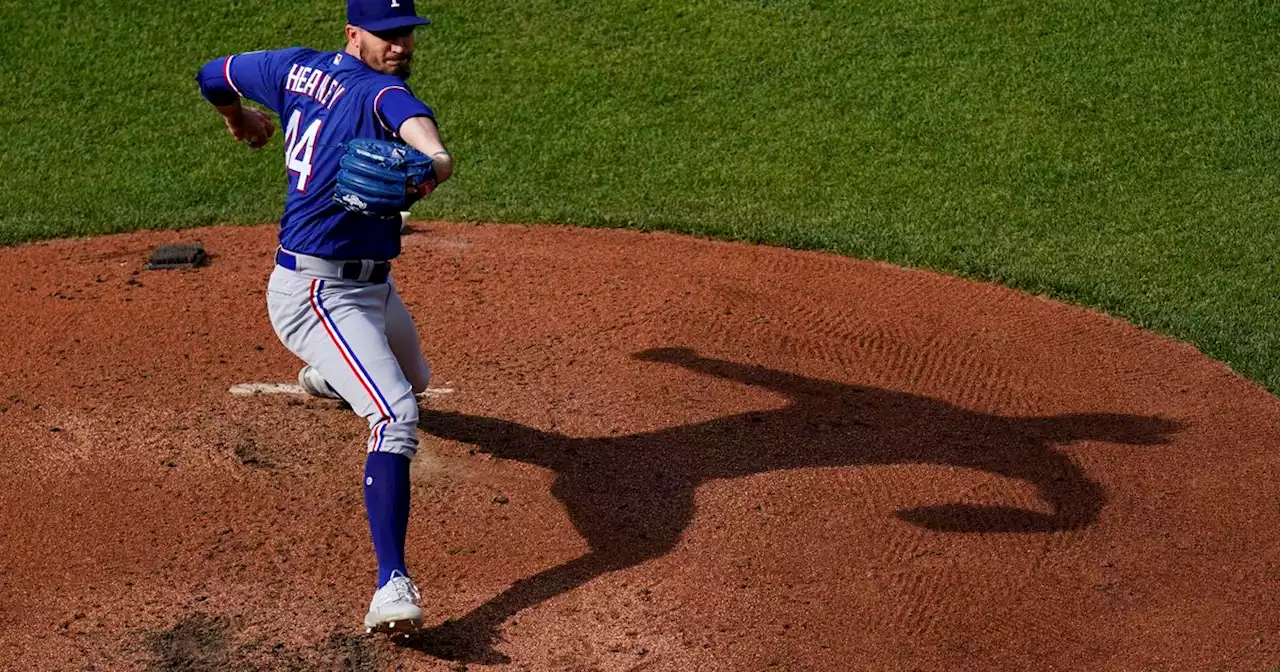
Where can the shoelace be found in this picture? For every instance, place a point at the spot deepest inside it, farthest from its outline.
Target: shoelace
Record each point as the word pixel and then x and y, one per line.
pixel 404 589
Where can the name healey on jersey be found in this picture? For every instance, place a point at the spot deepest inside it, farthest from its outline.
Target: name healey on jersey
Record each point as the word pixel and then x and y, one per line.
pixel 313 83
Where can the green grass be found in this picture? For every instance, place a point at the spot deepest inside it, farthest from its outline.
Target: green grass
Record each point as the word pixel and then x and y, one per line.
pixel 1116 154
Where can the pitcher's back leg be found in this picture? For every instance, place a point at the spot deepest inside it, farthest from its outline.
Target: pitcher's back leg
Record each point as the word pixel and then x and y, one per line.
pixel 402 335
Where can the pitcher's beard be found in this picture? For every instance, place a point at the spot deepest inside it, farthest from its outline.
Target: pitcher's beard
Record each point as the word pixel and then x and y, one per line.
pixel 402 71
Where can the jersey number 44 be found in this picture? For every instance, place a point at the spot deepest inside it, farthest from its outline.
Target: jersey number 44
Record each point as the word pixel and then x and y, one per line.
pixel 300 149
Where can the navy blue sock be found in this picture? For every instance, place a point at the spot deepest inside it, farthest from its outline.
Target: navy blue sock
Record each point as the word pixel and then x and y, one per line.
pixel 386 501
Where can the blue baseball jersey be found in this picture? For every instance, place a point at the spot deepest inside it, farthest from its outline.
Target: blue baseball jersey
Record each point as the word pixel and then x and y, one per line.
pixel 323 100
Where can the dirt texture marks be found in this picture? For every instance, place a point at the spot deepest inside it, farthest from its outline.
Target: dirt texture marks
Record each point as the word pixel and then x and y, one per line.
pixel 658 453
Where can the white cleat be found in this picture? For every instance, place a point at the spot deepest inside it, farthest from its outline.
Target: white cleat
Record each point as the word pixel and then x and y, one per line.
pixel 394 608
pixel 314 384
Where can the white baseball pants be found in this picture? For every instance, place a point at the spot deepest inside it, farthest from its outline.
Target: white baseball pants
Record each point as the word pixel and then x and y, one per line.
pixel 360 337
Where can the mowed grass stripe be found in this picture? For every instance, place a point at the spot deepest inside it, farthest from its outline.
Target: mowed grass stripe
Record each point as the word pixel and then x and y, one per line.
pixel 1117 154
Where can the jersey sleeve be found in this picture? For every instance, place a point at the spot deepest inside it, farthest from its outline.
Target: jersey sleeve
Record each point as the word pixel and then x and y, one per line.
pixel 256 75
pixel 395 104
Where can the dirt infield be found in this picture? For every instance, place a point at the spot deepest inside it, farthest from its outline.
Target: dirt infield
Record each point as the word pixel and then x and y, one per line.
pixel 644 452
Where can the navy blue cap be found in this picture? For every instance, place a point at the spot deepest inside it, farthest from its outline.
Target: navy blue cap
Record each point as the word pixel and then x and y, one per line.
pixel 379 15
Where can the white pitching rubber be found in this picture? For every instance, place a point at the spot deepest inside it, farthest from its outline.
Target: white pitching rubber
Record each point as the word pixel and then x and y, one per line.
pixel 250 389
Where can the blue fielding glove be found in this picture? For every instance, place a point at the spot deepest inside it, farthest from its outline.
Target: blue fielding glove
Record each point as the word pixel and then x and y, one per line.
pixel 380 178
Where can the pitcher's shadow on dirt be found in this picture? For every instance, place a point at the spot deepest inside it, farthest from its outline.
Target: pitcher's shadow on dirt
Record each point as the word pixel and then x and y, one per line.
pixel 631 497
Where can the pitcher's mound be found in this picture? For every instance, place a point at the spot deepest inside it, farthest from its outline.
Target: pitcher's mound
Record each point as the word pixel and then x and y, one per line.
pixel 655 453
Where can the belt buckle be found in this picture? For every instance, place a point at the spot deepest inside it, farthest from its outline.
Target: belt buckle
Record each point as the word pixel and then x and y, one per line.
pixel 366 270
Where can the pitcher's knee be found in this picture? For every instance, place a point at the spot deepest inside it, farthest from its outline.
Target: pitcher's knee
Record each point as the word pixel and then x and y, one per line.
pixel 419 376
pixel 397 435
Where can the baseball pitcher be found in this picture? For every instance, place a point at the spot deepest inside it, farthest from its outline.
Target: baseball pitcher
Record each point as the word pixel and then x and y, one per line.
pixel 359 147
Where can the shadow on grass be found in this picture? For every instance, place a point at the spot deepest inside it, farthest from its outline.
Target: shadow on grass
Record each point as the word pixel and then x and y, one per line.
pixel 631 497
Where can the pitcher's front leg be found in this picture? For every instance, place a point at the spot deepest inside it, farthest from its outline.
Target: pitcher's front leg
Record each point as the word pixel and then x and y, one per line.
pixel 353 355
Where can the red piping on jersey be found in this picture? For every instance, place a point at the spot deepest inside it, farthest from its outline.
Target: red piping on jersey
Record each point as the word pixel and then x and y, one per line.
pixel 226 73
pixel 378 98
